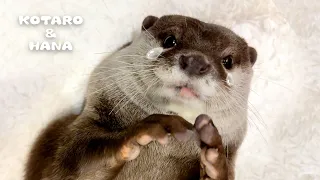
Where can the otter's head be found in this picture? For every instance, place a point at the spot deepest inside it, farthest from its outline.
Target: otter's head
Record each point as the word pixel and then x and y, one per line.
pixel 200 62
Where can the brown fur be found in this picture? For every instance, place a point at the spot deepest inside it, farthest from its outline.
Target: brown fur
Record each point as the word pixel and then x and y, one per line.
pixel 88 146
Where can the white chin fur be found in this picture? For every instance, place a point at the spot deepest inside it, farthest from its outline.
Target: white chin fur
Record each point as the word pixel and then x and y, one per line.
pixel 205 87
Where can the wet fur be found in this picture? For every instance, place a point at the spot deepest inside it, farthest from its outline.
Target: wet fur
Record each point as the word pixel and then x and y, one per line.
pixel 119 96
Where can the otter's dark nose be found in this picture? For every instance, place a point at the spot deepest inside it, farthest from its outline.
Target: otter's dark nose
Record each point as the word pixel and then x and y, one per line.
pixel 194 64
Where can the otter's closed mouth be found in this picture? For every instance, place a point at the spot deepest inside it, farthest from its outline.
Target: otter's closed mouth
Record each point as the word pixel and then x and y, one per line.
pixel 186 92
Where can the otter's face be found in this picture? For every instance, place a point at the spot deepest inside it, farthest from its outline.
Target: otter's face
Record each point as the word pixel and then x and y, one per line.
pixel 200 62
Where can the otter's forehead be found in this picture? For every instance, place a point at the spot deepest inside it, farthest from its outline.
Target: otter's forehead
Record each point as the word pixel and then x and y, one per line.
pixel 210 39
pixel 197 30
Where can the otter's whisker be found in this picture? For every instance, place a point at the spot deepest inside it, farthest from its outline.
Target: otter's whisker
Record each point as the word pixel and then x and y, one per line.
pixel 126 67
pixel 122 69
pixel 148 32
pixel 127 55
pixel 123 79
pixel 250 119
pixel 275 83
pixel 119 72
pixel 254 92
pixel 249 104
pixel 234 101
pixel 145 75
pixel 135 94
pixel 103 52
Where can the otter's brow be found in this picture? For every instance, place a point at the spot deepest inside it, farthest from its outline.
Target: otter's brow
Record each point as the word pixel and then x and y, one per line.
pixel 171 30
pixel 228 51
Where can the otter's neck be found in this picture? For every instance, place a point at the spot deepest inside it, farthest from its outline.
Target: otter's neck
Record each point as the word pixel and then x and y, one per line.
pixel 231 124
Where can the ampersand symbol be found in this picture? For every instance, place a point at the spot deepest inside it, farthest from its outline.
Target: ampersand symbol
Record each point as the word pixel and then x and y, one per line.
pixel 50 33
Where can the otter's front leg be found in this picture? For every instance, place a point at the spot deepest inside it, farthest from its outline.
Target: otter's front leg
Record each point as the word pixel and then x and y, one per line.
pixel 213 159
pixel 155 127
pixel 86 143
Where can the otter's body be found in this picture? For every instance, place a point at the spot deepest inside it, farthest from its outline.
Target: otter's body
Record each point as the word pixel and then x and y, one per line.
pixel 127 87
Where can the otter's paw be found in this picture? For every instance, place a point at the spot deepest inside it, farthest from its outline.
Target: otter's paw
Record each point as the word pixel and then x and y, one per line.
pixel 213 159
pixel 155 127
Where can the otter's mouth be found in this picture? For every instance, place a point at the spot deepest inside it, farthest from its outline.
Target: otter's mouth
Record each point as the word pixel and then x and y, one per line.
pixel 186 92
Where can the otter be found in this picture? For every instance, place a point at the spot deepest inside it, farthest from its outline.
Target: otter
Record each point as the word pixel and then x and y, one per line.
pixel 179 115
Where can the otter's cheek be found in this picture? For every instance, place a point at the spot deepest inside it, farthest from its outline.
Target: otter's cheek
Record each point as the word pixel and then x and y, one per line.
pixel 162 74
pixel 171 75
pixel 166 92
pixel 207 87
pixel 237 77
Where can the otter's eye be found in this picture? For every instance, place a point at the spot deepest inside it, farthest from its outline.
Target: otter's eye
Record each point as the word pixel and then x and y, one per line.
pixel 169 42
pixel 227 62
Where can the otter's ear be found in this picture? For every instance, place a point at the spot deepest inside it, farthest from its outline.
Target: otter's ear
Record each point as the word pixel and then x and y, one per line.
pixel 148 22
pixel 253 55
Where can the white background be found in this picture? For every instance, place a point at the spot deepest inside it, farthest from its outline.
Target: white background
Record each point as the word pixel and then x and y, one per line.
pixel 36 86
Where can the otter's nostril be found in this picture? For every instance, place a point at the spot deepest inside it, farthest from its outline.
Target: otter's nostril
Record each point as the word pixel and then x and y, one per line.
pixel 194 64
pixel 204 69
pixel 183 62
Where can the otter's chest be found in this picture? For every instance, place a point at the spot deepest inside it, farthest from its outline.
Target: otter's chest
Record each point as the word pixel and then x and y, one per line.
pixel 231 125
pixel 188 113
